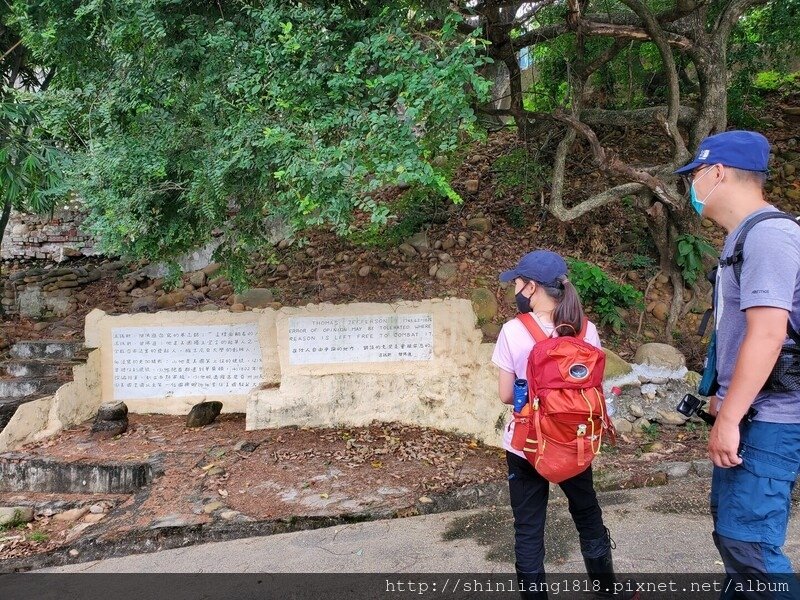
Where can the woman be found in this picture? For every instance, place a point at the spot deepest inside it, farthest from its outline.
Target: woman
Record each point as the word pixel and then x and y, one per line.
pixel 541 288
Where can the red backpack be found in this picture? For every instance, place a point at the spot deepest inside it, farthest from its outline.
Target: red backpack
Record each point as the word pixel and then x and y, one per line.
pixel 565 417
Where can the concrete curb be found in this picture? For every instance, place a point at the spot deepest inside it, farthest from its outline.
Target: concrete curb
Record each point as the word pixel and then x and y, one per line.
pixel 165 536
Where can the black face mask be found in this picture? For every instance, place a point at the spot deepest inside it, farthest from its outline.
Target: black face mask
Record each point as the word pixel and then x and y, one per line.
pixel 523 303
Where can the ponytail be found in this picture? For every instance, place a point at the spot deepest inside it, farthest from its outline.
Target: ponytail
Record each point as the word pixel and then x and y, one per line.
pixel 568 315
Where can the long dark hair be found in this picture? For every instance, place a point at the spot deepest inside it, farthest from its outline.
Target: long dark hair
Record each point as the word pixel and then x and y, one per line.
pixel 568 315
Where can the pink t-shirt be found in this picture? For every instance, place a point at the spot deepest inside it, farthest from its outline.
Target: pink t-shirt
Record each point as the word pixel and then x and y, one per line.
pixel 514 345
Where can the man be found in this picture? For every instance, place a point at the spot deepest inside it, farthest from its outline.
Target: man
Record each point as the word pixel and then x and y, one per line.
pixel 756 464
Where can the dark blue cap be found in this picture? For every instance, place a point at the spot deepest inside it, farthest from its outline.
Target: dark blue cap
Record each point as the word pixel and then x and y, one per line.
pixel 745 150
pixel 540 265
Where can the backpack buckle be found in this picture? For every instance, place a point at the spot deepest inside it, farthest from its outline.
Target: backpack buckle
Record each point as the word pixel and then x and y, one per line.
pixel 581 430
pixel 536 404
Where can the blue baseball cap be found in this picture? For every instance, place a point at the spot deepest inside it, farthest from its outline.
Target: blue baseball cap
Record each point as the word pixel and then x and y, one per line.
pixel 543 266
pixel 745 150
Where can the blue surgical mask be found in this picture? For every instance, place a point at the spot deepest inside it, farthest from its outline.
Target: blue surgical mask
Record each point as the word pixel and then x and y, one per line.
pixel 697 204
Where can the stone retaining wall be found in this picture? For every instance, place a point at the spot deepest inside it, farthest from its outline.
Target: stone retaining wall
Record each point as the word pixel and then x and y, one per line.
pixel 44 237
pixel 453 386
pixel 296 367
pixel 41 292
pixel 455 389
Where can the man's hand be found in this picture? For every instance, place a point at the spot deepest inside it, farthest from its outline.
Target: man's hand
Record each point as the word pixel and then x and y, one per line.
pixel 766 332
pixel 723 444
pixel 713 406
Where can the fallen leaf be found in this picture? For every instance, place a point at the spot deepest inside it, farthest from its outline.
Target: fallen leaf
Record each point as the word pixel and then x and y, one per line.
pixel 425 500
pixel 376 464
pixel 223 493
pixel 324 496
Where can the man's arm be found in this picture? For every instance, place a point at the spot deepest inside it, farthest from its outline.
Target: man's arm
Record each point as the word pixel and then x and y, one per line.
pixel 766 333
pixel 506 387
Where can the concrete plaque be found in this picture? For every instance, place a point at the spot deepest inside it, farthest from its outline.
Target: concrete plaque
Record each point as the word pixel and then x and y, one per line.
pixel 360 339
pixel 213 360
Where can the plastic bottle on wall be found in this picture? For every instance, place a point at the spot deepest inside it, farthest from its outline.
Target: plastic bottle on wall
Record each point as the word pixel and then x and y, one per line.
pixel 611 401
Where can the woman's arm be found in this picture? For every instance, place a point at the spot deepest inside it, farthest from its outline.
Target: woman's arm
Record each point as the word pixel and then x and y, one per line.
pixel 506 386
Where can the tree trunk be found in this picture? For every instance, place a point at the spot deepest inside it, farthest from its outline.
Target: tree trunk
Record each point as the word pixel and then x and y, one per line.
pixel 712 72
pixel 665 226
pixel 4 218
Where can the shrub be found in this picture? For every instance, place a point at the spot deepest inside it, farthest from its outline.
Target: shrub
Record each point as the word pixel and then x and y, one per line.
pixel 691 250
pixel 603 294
pixel 519 172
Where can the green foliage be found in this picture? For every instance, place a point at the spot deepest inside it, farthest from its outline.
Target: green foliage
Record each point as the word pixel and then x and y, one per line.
pixel 651 432
pixel 773 81
pixel 172 278
pixel 39 537
pixel 762 45
pixel 546 95
pixel 30 177
pixel 550 88
pixel 519 172
pixel 516 216
pixel 691 251
pixel 15 523
pixel 414 209
pixel 411 211
pixel 628 260
pixel 522 177
pixel 603 294
pixel 188 117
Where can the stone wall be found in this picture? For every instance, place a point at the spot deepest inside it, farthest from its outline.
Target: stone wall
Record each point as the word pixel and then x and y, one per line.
pixel 50 291
pixel 57 238
pixel 100 327
pixel 293 378
pixel 73 403
pixel 455 389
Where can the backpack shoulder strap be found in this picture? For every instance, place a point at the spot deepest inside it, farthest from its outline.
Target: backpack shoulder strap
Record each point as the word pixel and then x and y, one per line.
pixel 736 258
pixel 533 327
pixel 584 329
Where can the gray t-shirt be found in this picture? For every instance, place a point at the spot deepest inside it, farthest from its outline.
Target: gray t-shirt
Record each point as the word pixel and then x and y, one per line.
pixel 770 277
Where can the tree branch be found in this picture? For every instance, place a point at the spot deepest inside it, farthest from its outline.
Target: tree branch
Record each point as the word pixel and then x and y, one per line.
pixel 10 50
pixel 730 14
pixel 608 196
pixel 635 117
pixel 613 165
pixel 47 79
pixel 629 32
pixel 540 34
pixel 620 18
pixel 670 123
pixel 556 206
pixel 606 56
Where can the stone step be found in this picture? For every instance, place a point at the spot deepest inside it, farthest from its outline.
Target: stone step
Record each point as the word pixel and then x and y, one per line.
pixel 8 406
pixel 28 473
pixel 28 386
pixel 53 349
pixel 40 368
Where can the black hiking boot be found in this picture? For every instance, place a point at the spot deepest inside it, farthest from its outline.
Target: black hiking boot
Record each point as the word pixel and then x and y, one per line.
pixel 600 568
